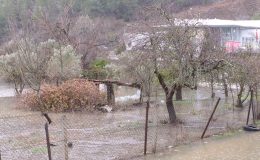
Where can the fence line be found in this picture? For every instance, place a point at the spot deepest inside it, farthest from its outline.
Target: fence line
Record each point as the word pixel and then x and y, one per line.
pixel 118 135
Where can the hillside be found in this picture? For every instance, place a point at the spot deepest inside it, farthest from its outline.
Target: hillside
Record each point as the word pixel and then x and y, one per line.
pixel 225 9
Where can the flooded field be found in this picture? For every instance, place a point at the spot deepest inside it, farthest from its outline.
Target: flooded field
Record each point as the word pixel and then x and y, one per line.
pixel 6 90
pixel 116 135
pixel 242 146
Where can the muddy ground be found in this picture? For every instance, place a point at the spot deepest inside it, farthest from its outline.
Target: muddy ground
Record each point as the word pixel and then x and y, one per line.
pixel 116 135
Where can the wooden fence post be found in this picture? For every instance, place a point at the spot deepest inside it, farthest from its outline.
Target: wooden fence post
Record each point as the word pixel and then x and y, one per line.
pixel 146 126
pixel 48 140
pixel 65 134
pixel 249 109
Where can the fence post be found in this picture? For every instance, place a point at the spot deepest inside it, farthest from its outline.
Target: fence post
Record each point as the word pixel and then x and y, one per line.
pixel 48 140
pixel 253 107
pixel 249 109
pixel 156 129
pixel 65 134
pixel 146 126
pixel 212 114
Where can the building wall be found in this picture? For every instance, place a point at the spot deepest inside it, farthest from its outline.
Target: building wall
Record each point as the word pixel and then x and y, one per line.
pixel 232 38
pixel 248 38
pixel 237 37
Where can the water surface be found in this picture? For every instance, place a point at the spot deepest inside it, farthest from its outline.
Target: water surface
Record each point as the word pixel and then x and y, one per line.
pixel 243 146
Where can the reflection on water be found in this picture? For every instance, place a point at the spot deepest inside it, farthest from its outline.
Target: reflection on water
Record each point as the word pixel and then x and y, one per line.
pixel 6 90
pixel 135 96
pixel 124 94
pixel 244 146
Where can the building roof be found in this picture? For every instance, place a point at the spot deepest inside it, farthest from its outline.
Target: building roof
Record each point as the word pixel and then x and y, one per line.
pixel 217 23
pixel 230 23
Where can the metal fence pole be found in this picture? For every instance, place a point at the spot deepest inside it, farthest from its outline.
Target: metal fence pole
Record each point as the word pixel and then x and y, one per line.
pixel 212 114
pixel 65 134
pixel 146 126
pixel 48 140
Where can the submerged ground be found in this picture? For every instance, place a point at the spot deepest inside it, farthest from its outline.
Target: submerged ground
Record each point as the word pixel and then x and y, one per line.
pixel 116 135
pixel 242 146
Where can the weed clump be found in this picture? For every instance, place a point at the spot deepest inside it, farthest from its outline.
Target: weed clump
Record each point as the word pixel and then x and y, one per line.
pixel 72 95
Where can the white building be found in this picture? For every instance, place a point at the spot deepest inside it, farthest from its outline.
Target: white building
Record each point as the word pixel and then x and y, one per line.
pixel 234 34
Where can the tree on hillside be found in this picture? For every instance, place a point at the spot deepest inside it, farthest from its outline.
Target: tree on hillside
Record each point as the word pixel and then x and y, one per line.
pixel 87 36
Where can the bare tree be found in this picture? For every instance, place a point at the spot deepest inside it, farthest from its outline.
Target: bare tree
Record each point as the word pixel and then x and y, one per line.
pixel 33 59
pixel 139 69
pixel 10 68
pixel 180 54
pixel 244 73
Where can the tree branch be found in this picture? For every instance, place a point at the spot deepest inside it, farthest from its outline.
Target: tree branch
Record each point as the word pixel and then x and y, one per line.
pixel 133 85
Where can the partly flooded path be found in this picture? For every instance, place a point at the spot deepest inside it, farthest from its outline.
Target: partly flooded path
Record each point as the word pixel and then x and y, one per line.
pixel 242 146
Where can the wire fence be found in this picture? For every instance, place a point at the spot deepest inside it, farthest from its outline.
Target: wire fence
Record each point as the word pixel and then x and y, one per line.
pixel 118 135
pixel 192 118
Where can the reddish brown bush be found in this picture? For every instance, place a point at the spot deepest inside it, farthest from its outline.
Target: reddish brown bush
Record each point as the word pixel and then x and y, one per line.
pixel 77 94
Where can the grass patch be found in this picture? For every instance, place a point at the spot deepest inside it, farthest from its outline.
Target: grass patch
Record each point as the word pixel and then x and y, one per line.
pixel 39 150
pixel 257 122
pixel 184 102
pixel 228 106
pixel 131 125
pixel 229 133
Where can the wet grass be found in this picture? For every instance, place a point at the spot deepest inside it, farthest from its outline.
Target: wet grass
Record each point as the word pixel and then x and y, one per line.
pixel 258 122
pixel 184 102
pixel 39 150
pixel 228 106
pixel 227 134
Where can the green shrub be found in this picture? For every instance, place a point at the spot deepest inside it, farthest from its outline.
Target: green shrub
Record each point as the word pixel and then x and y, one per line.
pixel 72 95
pixel 97 70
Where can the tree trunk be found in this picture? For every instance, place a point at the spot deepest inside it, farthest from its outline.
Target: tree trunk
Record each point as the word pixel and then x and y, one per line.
pixel 18 86
pixel 239 96
pixel 170 108
pixel 179 93
pixel 257 105
pixel 110 94
pixel 141 95
pixel 239 102
pixel 212 87
pixel 169 92
pixel 225 87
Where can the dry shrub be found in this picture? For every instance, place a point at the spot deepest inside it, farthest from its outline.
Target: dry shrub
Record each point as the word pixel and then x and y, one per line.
pixel 77 94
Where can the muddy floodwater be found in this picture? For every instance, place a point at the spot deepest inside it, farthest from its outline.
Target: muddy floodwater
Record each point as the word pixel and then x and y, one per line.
pixel 242 146
pixel 120 134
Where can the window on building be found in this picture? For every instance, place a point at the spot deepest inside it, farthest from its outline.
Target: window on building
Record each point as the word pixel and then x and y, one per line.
pixel 247 41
